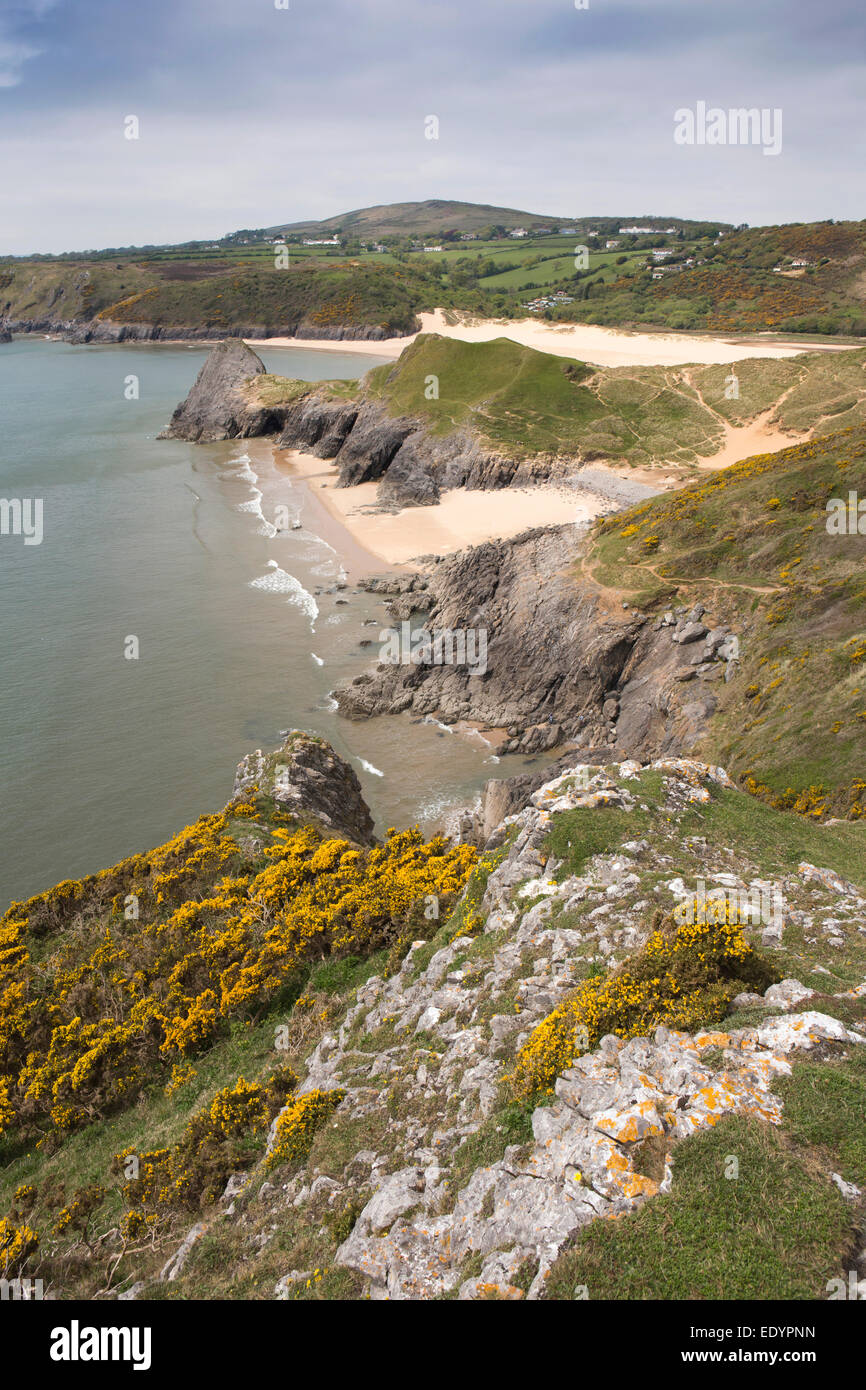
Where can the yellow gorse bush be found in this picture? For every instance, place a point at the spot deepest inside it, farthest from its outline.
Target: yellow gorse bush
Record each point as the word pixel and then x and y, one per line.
pixel 16 1243
pixel 296 1127
pixel 683 977
pixel 221 1137
pixel 157 954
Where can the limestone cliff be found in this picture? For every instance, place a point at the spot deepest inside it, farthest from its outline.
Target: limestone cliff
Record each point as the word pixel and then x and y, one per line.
pixel 429 1181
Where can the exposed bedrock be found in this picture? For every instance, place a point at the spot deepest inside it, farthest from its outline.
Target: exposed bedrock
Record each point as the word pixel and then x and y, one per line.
pixel 217 407
pixel 411 465
pixel 561 666
pixel 108 331
pixel 309 780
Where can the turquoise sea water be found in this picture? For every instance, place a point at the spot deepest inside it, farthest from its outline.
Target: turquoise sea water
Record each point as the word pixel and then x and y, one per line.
pixel 168 543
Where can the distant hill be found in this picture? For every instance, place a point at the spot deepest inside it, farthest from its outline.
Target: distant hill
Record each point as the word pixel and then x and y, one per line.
pixel 369 272
pixel 434 215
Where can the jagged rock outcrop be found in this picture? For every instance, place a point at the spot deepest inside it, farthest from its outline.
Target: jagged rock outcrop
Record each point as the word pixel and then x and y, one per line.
pixel 452 1023
pixel 5 334
pixel 435 1175
pixel 412 465
pixel 559 664
pixel 217 407
pixel 308 779
pixel 581 1165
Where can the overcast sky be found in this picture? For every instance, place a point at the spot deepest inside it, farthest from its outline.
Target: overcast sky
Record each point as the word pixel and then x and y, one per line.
pixel 252 115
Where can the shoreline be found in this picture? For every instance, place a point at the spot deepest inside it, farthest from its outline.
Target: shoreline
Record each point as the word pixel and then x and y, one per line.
pixel 399 541
pixel 583 342
pixel 611 347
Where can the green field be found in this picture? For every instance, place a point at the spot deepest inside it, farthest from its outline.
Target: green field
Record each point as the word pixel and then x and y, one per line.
pixel 803 278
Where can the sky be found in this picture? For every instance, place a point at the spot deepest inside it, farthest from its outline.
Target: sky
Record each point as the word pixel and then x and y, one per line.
pixel 253 113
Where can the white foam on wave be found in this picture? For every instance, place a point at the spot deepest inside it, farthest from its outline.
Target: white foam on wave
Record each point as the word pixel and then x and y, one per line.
pixel 254 505
pixel 437 723
pixel 318 660
pixel 477 734
pixel 368 767
pixel 446 811
pixel 278 581
pixel 323 570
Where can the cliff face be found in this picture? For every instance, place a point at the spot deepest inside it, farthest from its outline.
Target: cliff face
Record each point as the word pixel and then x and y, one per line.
pixel 216 407
pixel 559 664
pixel 307 779
pixel 411 465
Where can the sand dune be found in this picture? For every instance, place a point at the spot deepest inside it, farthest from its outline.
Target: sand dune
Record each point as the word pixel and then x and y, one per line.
pixel 606 347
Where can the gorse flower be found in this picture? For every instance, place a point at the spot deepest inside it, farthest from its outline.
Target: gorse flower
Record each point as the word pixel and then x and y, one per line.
pixel 171 945
pixel 683 978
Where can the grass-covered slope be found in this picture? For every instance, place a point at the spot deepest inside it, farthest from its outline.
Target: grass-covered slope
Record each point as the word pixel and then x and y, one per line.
pixel 219 298
pixel 803 278
pixel 525 402
pixel 752 543
pixel 167 1103
pixel 129 997
pixel 426 218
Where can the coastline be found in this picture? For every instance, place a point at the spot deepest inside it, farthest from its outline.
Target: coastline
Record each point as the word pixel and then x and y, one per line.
pixel 316 516
pixel 463 518
pixel 593 343
pixel 610 347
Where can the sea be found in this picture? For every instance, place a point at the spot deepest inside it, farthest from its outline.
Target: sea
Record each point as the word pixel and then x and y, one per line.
pixel 155 625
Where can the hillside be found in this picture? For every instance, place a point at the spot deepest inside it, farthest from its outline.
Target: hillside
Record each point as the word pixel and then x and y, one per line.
pixel 752 542
pixel 143 299
pixel 525 402
pixel 373 269
pixel 311 1069
pixel 723 618
pixel 413 219
pixel 490 415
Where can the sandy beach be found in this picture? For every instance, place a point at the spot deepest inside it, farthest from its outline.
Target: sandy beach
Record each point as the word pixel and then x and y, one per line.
pixel 464 517
pixel 606 347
